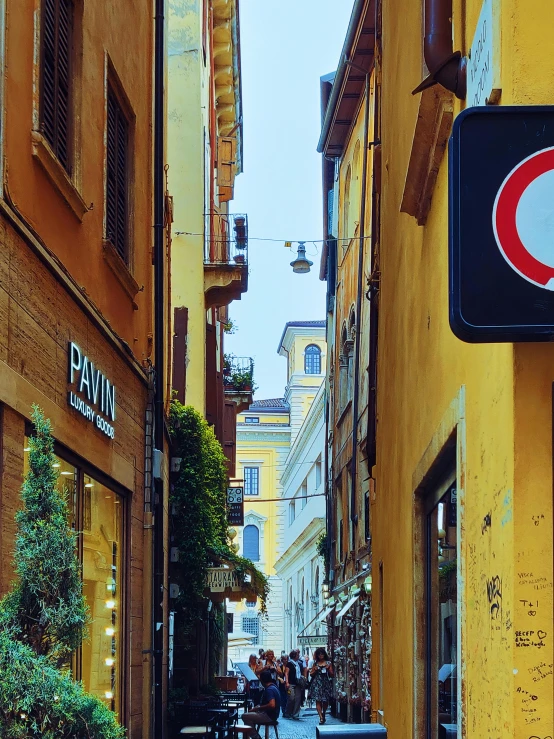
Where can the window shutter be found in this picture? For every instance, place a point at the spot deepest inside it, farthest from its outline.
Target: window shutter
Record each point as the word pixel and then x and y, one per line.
pixel 230 436
pixel 116 169
pixel 251 543
pixel 57 27
pixel 226 156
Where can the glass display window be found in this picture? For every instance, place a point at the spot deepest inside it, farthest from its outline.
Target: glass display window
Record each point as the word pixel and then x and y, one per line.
pixel 96 513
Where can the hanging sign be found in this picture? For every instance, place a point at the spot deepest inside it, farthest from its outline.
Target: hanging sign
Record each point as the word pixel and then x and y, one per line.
pixel 91 393
pixel 501 180
pixel 235 506
pixel 220 579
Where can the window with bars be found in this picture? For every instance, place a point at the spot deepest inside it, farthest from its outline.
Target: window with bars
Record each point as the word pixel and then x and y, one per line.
pixel 117 176
pixel 251 625
pixel 56 77
pixel 312 360
pixel 251 480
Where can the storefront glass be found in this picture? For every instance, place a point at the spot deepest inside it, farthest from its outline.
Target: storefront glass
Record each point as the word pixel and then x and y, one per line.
pixel 96 513
pixel 442 615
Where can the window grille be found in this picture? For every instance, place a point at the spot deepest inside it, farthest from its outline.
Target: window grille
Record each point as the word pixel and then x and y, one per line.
pixel 251 480
pixel 117 155
pixel 251 625
pixel 55 94
pixel 312 360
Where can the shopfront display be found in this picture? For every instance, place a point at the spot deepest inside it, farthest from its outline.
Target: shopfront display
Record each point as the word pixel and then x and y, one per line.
pixel 96 513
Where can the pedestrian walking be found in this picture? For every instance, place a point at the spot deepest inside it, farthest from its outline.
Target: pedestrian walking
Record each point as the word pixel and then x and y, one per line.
pixel 321 685
pixel 281 682
pixel 268 710
pixel 295 681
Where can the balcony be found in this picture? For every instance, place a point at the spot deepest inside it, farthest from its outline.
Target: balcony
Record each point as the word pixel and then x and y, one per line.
pixel 238 381
pixel 226 260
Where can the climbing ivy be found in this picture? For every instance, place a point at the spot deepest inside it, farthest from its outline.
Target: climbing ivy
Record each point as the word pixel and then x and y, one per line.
pixel 198 505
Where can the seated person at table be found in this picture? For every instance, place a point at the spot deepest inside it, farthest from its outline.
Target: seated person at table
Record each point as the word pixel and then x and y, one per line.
pixel 270 705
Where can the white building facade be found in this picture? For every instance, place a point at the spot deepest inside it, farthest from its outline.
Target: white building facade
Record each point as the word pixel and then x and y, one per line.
pixel 300 567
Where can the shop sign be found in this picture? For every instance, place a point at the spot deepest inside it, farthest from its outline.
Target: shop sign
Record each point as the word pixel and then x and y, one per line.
pixel 235 506
pixel 483 68
pixel 220 579
pixel 501 180
pixel 91 393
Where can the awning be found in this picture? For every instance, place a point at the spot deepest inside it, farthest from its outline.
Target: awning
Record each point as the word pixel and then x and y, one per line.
pixel 327 613
pixel 345 609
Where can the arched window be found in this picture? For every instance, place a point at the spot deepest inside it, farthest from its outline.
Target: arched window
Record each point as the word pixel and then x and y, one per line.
pixel 346 236
pixel 251 543
pixel 312 360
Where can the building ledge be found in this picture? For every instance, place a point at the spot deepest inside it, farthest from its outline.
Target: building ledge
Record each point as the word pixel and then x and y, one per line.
pixel 243 399
pixel 55 172
pixel 224 283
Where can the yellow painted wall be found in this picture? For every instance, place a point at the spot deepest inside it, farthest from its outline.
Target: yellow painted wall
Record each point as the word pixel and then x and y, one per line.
pixel 505 425
pixel 187 128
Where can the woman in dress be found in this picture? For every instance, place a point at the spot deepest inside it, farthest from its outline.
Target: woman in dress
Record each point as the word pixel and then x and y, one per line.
pixel 321 684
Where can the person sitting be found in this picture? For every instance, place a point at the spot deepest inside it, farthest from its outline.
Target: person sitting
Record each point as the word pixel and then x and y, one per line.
pixel 268 710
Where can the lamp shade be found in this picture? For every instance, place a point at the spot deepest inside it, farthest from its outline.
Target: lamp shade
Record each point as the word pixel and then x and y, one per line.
pixel 301 265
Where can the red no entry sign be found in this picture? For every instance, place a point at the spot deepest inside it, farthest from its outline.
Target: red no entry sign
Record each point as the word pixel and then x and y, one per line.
pixel 501 224
pixel 523 218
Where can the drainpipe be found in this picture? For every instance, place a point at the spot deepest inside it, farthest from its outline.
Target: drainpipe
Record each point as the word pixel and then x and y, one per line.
pixel 356 398
pixel 159 337
pixel 446 66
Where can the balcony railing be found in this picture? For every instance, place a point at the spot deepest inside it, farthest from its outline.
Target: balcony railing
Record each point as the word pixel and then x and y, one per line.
pixel 229 242
pixel 238 373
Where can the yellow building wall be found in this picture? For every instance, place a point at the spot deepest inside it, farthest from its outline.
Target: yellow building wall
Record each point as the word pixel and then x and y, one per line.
pixel 187 128
pixel 504 423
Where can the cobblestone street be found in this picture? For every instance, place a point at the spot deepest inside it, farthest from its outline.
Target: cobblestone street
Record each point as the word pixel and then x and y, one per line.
pixel 309 720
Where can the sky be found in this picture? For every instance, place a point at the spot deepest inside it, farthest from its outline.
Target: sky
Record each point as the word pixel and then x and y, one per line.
pixel 286 46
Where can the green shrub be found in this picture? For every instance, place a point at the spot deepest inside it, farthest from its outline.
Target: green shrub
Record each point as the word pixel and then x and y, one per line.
pixel 43 618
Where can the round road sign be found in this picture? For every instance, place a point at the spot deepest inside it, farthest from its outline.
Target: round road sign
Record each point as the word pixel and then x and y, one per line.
pixel 523 218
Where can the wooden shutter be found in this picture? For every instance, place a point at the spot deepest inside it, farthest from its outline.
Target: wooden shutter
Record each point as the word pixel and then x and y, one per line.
pixel 55 99
pixel 230 436
pixel 226 156
pixel 117 176
pixel 211 375
pixel 180 329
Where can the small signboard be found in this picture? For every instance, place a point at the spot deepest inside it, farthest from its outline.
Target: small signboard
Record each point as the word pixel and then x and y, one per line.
pixel 483 66
pixel 220 579
pixel 235 506
pixel 501 180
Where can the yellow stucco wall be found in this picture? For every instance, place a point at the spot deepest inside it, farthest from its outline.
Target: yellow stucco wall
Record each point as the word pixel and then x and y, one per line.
pixel 187 126
pixel 504 412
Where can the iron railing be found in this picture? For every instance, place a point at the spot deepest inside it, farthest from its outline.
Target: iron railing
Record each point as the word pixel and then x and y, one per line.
pixel 238 373
pixel 229 240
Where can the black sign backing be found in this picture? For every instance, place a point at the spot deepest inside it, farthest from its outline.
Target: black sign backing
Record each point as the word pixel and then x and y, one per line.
pixel 501 166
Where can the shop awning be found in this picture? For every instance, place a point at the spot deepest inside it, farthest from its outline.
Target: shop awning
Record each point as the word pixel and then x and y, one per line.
pixel 327 613
pixel 348 605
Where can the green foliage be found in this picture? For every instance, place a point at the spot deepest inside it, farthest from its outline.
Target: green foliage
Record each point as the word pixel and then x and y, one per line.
pixel 45 608
pixel 39 701
pixel 43 619
pixel 322 546
pixel 198 502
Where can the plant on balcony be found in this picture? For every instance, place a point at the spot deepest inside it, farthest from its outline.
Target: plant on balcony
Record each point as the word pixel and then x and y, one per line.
pixel 230 327
pixel 43 618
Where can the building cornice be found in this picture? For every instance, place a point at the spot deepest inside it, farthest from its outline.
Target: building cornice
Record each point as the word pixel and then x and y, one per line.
pixel 298 547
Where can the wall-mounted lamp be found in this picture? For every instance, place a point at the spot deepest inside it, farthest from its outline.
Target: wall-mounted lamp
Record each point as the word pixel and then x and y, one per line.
pixel 301 264
pixel 325 589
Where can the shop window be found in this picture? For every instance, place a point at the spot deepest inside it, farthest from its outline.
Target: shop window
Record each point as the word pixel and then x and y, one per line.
pixel 96 513
pixel 251 480
pixel 251 543
pixel 56 77
pixel 312 360
pixel 117 176
pixel 251 625
pixel 441 586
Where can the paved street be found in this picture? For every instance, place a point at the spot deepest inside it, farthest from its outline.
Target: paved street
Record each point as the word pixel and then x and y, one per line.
pixel 289 729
